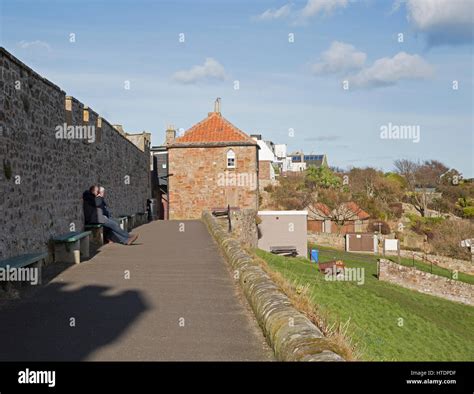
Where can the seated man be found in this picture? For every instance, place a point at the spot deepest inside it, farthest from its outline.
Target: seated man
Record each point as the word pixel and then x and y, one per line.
pixel 93 204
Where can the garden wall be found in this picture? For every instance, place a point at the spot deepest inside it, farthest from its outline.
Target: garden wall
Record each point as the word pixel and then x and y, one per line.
pixel 424 282
pixel 291 334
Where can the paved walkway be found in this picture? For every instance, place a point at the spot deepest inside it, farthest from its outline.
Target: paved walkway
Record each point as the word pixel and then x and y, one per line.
pixel 179 303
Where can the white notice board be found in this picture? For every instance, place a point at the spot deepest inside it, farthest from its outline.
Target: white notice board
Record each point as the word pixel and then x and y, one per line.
pixel 391 245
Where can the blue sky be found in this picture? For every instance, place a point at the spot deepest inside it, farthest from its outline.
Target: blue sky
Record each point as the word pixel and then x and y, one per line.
pixel 283 85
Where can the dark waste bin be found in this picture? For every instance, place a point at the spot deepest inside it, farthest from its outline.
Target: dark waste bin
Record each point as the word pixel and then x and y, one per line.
pixel 152 207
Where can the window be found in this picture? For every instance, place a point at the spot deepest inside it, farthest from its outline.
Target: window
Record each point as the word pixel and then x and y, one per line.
pixel 230 159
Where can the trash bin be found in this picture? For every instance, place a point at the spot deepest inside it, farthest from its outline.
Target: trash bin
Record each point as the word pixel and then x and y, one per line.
pixel 314 255
pixel 151 203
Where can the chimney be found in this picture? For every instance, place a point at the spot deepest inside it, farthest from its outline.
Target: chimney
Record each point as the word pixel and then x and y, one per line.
pixel 170 134
pixel 217 105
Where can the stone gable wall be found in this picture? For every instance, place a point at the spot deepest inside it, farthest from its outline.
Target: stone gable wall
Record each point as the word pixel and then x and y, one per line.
pixel 201 181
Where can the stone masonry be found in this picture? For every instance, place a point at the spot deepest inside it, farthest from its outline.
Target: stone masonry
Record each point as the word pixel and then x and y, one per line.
pixel 424 282
pixel 42 177
pixel 200 180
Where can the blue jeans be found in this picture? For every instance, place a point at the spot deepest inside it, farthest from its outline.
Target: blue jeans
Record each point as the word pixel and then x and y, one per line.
pixel 115 232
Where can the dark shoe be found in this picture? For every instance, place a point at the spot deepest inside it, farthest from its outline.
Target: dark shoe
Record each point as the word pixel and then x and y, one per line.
pixel 132 239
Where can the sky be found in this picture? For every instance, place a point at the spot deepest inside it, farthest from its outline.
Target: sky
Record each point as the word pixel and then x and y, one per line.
pixel 365 82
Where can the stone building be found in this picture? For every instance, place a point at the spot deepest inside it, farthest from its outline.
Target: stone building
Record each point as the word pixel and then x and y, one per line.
pixel 212 165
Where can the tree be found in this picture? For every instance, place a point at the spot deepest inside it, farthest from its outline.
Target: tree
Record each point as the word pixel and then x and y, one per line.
pixel 420 178
pixel 321 178
pixel 290 193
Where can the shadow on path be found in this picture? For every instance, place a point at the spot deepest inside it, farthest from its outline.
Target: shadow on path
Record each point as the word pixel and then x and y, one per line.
pixel 63 325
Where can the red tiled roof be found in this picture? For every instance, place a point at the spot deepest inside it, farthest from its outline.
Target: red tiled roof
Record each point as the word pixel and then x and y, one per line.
pixel 319 206
pixel 214 129
pixel 319 209
pixel 361 214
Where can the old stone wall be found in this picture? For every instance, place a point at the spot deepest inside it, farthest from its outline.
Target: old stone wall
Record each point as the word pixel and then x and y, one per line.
pixel 290 333
pixel 442 261
pixel 424 282
pixel 43 176
pixel 200 180
pixel 327 239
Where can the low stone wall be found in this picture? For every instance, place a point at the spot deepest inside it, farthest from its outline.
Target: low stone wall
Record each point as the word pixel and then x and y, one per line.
pixel 291 334
pixel 424 282
pixel 336 241
pixel 442 261
pixel 244 226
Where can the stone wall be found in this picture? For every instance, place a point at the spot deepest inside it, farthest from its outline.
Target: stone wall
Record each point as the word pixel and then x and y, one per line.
pixel 42 177
pixel 336 241
pixel 244 226
pixel 200 180
pixel 424 282
pixel 264 172
pixel 442 261
pixel 291 334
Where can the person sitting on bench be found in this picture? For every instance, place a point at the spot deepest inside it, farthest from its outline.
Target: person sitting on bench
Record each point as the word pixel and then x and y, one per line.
pixel 93 205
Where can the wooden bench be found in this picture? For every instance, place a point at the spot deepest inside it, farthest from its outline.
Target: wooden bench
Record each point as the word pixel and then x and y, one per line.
pixel 24 260
pixel 284 250
pixel 123 222
pixel 339 264
pixel 70 247
pixel 131 222
pixel 97 239
pixel 140 218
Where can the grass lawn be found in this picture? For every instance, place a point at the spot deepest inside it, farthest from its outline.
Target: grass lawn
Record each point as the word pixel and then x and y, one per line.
pixel 432 328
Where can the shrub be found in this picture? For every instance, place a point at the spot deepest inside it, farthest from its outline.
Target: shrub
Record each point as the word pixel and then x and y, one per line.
pixel 448 235
pixel 373 226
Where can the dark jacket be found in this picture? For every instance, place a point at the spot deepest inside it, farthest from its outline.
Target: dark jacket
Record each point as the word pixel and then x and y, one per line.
pixel 92 206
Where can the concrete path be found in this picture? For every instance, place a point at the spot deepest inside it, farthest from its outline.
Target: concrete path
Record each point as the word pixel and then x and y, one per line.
pixel 169 297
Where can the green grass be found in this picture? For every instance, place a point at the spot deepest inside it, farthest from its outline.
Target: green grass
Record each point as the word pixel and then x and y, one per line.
pixel 433 328
pixel 462 277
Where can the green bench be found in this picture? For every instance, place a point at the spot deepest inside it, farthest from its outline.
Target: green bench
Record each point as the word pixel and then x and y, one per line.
pixel 70 247
pixel 140 218
pixel 131 222
pixel 24 260
pixel 123 222
pixel 97 238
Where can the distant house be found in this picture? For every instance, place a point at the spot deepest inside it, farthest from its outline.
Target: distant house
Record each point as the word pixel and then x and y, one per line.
pixel 321 219
pixel 301 161
pixel 212 165
pixel 266 158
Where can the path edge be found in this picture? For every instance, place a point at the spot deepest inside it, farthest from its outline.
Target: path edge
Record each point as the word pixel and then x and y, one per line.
pixel 291 335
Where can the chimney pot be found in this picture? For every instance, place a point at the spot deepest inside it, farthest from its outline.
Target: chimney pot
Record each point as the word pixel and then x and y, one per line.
pixel 217 105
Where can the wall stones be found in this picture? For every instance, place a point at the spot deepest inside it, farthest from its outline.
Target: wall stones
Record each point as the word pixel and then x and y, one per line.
pixel 291 334
pixel 201 180
pixel 424 282
pixel 52 172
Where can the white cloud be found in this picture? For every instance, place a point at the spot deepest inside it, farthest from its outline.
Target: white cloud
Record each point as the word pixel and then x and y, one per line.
pixel 388 71
pixel 34 44
pixel 314 7
pixel 277 13
pixel 443 21
pixel 340 57
pixel 211 69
